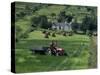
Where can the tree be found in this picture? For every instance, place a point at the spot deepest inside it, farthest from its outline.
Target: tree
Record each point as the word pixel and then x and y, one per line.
pixel 35 21
pixel 90 20
pixel 22 14
pixel 28 10
pixel 62 16
pixel 89 24
pixel 75 27
pixel 41 21
pixel 53 15
pixel 69 18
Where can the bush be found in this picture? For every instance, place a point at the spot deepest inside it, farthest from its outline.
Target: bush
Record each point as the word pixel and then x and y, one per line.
pixel 64 33
pixel 44 32
pixel 53 35
pixel 46 35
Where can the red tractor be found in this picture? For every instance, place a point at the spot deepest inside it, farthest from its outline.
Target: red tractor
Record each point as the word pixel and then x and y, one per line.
pixel 46 50
pixel 60 52
pixel 56 51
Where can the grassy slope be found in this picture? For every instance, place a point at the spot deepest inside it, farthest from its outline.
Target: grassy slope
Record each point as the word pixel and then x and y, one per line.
pixel 51 9
pixel 25 22
pixel 26 62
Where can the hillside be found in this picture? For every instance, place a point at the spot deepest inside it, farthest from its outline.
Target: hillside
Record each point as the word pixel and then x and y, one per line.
pixel 33 22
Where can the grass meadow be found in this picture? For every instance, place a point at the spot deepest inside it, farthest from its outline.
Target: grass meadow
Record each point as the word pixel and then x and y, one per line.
pixel 31 20
pixel 77 47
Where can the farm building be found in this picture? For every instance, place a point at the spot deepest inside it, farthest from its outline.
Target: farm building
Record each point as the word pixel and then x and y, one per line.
pixel 64 26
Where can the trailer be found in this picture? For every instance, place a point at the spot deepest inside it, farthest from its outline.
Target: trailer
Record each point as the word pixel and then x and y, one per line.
pixel 48 51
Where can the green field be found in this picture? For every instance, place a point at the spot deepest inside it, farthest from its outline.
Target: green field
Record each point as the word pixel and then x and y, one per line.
pixel 30 22
pixel 77 47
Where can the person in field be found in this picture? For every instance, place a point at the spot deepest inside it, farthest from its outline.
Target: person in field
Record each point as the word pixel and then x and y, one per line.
pixel 55 50
pixel 53 47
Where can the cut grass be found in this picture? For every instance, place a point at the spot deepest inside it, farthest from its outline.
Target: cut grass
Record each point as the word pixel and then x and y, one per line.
pixel 37 63
pixel 26 62
pixel 38 35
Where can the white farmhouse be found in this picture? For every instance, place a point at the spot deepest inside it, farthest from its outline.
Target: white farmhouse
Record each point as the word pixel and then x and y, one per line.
pixel 64 26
